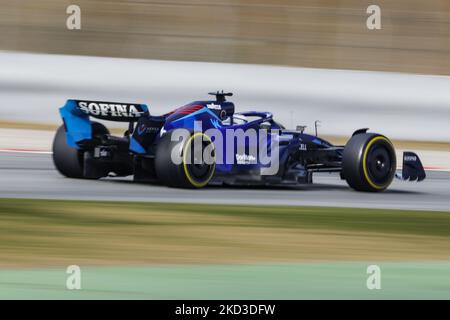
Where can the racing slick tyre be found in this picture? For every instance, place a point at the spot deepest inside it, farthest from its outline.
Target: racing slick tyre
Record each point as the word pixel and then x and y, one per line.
pixel 369 162
pixel 194 164
pixel 69 161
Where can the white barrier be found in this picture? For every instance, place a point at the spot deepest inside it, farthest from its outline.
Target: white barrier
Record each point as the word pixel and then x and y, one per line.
pixel 402 106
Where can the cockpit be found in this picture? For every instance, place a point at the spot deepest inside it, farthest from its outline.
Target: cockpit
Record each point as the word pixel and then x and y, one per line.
pixel 235 119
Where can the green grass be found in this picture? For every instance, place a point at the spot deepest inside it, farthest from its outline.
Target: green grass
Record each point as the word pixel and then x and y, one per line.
pixel 355 219
pixel 53 233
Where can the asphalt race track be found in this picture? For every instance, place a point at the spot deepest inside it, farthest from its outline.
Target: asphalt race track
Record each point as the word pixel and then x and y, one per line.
pixel 26 175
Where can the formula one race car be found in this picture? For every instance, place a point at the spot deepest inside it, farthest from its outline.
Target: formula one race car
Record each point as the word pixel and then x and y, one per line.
pixel 206 142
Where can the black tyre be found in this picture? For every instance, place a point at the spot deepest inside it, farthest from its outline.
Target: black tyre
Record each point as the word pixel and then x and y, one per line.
pixel 369 162
pixel 191 170
pixel 69 161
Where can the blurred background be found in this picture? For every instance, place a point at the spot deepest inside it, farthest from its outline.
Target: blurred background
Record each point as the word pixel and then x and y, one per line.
pixel 415 35
pixel 302 60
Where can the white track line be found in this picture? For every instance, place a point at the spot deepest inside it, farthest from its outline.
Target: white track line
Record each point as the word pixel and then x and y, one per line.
pixel 26 151
pixel 436 169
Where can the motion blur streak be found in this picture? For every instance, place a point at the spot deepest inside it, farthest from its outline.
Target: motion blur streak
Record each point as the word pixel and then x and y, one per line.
pixel 33 176
pixel 410 107
pixel 415 36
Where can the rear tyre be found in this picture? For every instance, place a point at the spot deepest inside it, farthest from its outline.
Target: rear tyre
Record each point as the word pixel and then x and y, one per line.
pixel 369 162
pixel 194 169
pixel 69 161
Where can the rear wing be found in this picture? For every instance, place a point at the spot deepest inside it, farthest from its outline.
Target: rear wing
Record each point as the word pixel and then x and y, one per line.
pixel 76 116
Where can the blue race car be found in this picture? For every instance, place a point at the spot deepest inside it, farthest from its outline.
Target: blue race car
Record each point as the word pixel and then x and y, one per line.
pixel 207 142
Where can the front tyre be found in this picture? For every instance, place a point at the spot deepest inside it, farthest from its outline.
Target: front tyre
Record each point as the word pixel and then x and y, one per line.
pixel 369 162
pixel 186 163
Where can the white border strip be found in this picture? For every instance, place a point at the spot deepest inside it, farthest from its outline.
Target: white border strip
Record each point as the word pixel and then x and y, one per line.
pixel 26 151
pixel 436 169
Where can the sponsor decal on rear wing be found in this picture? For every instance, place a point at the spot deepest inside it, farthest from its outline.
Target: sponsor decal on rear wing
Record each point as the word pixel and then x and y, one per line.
pixel 76 116
pixel 113 111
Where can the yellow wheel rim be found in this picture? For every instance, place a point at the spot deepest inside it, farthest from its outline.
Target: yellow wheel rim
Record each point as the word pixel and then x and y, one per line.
pixel 191 180
pixel 366 172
